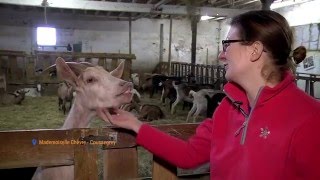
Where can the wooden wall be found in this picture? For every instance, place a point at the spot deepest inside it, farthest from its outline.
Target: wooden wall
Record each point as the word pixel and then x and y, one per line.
pixel 21 68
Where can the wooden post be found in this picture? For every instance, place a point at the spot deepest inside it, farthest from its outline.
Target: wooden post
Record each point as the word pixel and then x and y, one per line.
pixel 86 158
pixel 30 69
pixel 201 72
pixel 130 39
pixel 102 62
pixel 163 170
pixel 120 163
pixel 194 27
pixel 114 64
pixel 127 69
pixel 13 65
pixel 207 57
pixel 213 75
pixel 170 37
pixel 161 44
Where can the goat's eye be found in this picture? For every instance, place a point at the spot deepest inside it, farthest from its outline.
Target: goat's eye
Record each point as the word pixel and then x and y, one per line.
pixel 90 80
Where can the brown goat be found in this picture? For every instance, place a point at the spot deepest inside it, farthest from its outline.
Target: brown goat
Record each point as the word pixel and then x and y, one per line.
pixel 65 94
pixel 12 98
pixel 150 112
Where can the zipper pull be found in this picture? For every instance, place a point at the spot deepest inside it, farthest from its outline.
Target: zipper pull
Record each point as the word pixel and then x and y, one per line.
pixel 241 127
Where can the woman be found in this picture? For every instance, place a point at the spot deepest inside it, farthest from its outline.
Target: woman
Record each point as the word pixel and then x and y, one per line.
pixel 266 127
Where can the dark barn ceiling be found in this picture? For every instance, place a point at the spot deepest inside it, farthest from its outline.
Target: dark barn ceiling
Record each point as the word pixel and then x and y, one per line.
pixel 134 9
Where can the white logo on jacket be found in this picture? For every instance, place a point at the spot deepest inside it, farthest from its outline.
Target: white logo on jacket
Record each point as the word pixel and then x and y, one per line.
pixel 264 132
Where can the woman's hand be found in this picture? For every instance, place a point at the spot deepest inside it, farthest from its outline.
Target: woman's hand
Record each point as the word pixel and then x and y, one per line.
pixel 120 118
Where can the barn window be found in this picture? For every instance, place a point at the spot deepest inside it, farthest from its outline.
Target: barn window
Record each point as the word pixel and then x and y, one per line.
pixel 46 36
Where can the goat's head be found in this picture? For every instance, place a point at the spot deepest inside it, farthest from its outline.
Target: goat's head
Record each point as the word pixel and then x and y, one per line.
pixel 39 87
pixel 135 79
pixel 191 93
pixel 96 87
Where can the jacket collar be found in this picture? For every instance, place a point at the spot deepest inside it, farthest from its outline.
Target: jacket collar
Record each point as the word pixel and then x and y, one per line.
pixel 238 95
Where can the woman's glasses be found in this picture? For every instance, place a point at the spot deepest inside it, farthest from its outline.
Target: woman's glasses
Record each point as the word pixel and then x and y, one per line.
pixel 226 43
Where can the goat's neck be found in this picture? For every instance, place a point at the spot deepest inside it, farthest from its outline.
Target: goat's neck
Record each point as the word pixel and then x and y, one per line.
pixel 79 116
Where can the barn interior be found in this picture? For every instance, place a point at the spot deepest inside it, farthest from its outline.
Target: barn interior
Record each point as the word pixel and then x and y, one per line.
pixel 176 38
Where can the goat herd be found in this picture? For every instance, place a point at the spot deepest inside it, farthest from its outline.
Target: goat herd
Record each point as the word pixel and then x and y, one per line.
pixel 98 89
pixel 65 94
pixel 18 96
pixel 202 98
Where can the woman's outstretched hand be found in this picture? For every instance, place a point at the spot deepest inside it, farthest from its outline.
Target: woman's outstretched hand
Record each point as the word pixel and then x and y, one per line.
pixel 120 118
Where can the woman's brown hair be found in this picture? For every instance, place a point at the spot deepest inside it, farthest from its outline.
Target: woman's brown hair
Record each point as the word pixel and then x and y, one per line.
pixel 273 30
pixel 299 54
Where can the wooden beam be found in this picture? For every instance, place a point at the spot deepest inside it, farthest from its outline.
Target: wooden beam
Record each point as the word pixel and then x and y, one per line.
pixel 126 7
pixel 86 55
pixel 169 53
pixel 19 150
pixel 12 53
pixel 55 147
pixel 161 44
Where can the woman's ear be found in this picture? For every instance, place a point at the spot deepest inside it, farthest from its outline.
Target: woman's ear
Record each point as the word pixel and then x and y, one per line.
pixel 256 50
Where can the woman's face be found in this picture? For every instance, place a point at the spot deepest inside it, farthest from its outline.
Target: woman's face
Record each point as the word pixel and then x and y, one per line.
pixel 235 57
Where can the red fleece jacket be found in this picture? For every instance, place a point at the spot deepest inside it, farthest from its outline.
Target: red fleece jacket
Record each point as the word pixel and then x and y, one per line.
pixel 278 139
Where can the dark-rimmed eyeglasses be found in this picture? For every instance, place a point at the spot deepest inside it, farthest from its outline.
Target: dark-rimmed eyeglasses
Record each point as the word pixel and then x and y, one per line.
pixel 226 43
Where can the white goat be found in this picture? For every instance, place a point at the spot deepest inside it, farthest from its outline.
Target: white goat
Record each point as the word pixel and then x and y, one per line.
pixel 96 88
pixel 35 91
pixel 135 79
pixel 200 102
pixel 181 95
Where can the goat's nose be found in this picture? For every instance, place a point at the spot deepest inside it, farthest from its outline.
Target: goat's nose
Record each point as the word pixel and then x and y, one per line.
pixel 122 83
pixel 126 83
pixel 130 84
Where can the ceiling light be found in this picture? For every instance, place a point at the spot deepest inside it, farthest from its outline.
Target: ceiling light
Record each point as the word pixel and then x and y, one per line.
pixel 220 18
pixel 203 18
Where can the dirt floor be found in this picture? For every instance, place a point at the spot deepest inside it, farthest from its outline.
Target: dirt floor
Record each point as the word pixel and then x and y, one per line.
pixel 43 113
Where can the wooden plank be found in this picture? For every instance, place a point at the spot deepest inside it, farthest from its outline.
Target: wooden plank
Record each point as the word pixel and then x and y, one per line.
pixel 163 170
pixel 127 70
pixel 13 65
pixel 12 53
pixel 17 148
pixel 120 163
pixel 312 78
pixel 86 158
pixel 86 55
pixel 314 74
pixel 30 69
pixel 202 74
pixel 102 62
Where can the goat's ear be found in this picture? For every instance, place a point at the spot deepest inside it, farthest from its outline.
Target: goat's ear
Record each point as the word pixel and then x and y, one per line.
pixel 118 71
pixel 65 72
